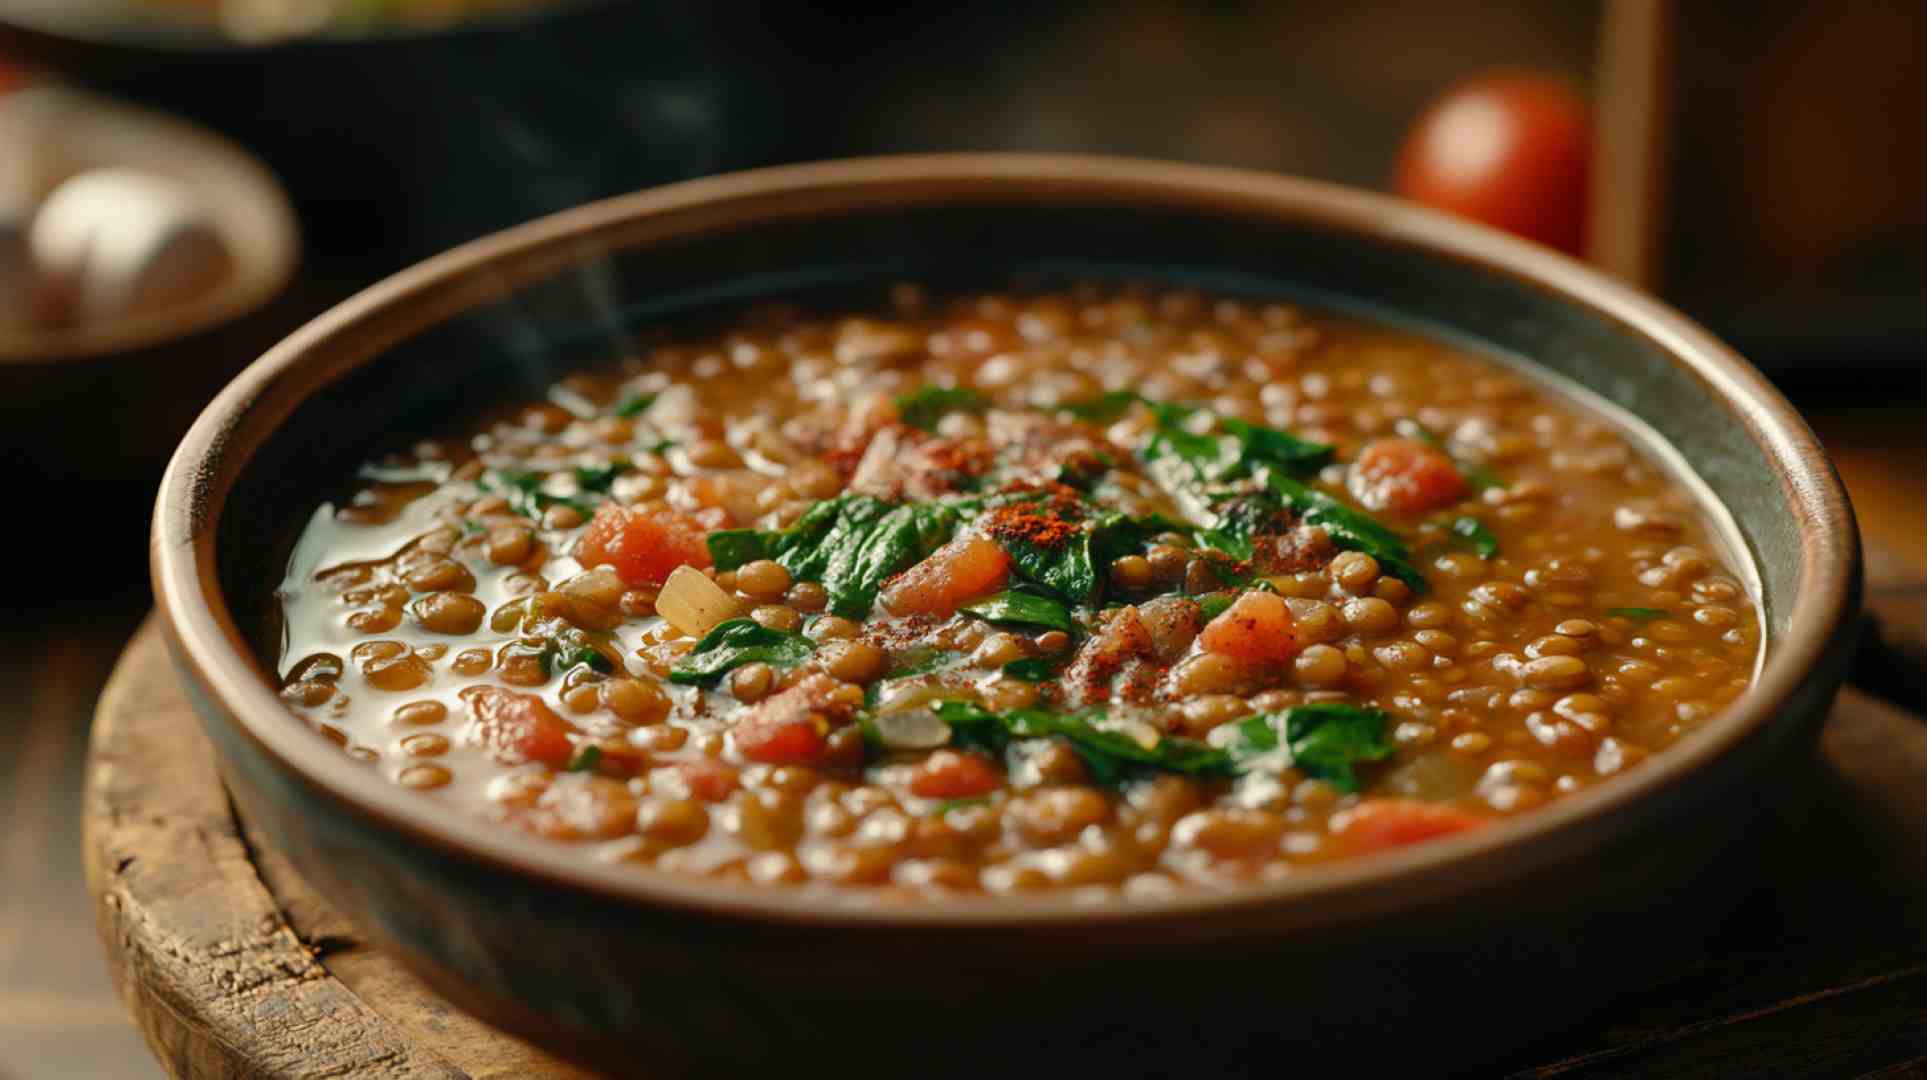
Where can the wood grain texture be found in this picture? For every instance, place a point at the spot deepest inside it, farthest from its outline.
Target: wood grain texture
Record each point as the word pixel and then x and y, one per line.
pixel 218 980
pixel 428 1021
pixel 233 967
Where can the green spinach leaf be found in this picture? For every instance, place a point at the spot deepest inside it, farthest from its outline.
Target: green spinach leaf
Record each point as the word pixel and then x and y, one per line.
pixel 729 549
pixel 1479 476
pixel 735 642
pixel 1241 450
pixel 851 544
pixel 523 489
pixel 1242 447
pixel 600 478
pixel 1471 533
pixel 583 656
pixel 1063 566
pixel 827 531
pixel 1278 449
pixel 1193 460
pixel 1349 527
pixel 1329 740
pixel 1104 408
pixel 1032 669
pixel 1109 754
pixel 1639 614
pixel 636 405
pixel 1280 459
pixel 924 407
pixel 1213 604
pixel 565 649
pixel 921 662
pixel 1023 609
pixel 896 541
pixel 1241 521
pixel 1116 534
pixel 1326 740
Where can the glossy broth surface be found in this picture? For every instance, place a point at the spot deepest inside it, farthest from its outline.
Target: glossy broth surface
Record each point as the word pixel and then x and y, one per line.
pixel 1120 589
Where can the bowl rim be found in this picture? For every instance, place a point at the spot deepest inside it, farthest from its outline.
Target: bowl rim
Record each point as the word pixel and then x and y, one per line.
pixel 210 648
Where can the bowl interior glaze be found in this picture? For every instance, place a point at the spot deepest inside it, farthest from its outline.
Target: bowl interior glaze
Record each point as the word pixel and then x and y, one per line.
pixel 507 315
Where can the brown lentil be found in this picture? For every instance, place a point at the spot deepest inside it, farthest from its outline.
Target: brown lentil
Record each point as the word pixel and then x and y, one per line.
pixel 448 613
pixel 1505 681
pixel 762 580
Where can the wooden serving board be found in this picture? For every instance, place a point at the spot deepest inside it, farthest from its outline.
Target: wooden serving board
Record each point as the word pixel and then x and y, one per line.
pixel 233 967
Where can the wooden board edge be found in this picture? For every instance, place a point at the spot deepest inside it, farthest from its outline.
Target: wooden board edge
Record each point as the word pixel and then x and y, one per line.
pixel 217 981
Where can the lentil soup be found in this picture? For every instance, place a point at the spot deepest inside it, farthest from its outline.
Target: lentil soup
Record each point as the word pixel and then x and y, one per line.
pixel 1122 589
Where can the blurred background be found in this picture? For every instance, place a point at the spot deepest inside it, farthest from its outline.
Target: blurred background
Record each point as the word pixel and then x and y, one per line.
pixel 182 182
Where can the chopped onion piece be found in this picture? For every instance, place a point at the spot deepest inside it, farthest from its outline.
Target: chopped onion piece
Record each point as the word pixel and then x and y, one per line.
pixel 916 729
pixel 1141 733
pixel 692 603
pixel 898 695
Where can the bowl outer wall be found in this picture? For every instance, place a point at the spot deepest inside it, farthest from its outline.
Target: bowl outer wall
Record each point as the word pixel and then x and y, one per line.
pixel 279 767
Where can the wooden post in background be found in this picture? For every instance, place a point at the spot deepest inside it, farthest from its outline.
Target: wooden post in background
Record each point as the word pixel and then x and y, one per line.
pixel 1632 129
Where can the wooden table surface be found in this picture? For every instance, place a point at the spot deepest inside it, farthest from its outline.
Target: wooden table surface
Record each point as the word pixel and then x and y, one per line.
pixel 1823 973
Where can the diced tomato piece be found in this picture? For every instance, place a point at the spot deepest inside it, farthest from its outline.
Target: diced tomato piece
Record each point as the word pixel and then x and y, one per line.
pixel 643 547
pixel 866 416
pixel 948 774
pixel 1115 655
pixel 516 728
pixel 904 463
pixel 955 574
pixel 791 743
pixel 720 497
pixel 1171 623
pixel 708 779
pixel 1405 475
pixel 792 727
pixel 1257 628
pixel 581 805
pixel 1377 824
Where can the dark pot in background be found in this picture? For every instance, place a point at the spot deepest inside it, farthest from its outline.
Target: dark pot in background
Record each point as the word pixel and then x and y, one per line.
pixel 396 145
pixel 389 147
pixel 92 409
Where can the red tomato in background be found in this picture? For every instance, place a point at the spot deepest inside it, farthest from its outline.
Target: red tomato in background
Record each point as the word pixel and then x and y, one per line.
pixel 1510 149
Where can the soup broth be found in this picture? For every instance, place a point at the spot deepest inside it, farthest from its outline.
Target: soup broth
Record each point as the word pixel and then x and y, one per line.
pixel 1119 589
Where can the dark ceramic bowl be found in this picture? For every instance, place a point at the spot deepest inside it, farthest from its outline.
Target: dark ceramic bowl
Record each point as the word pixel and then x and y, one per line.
pixel 1434 956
